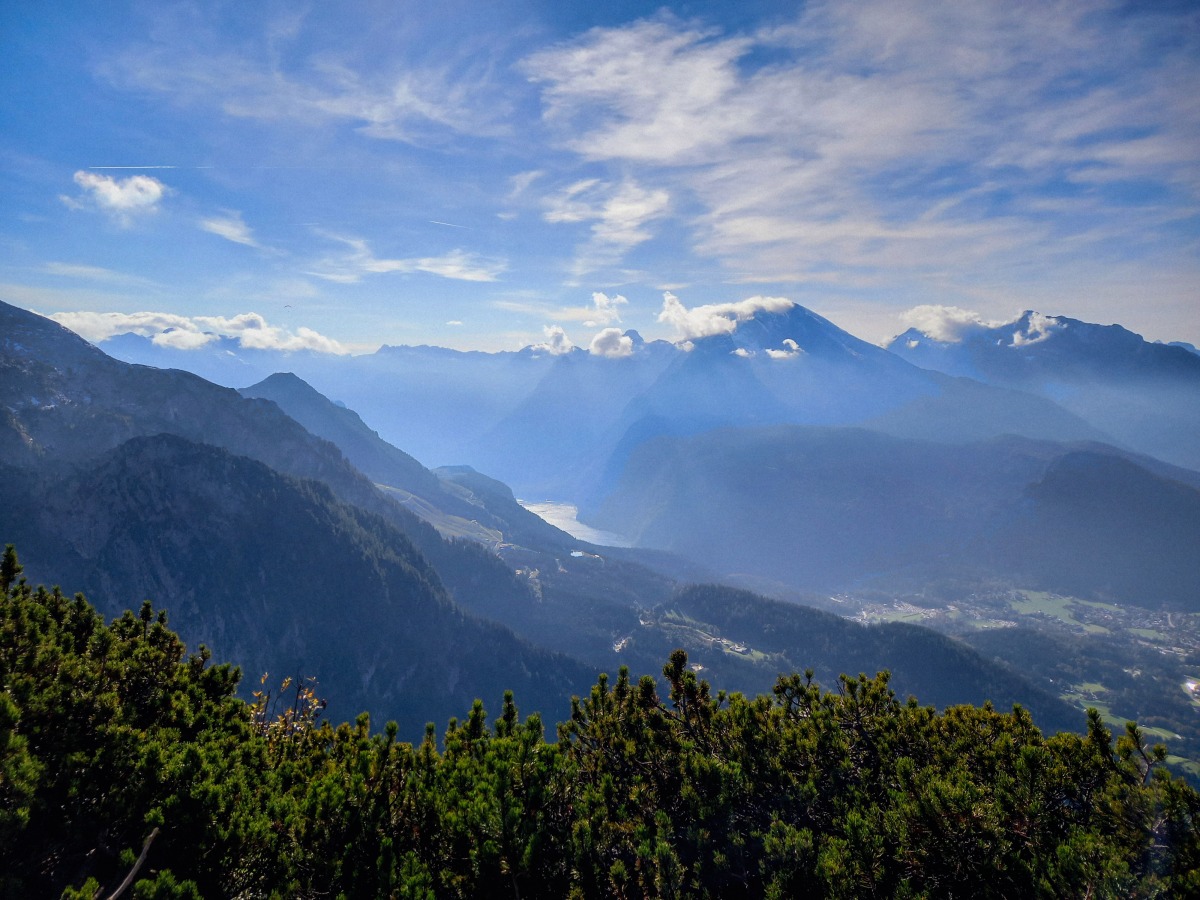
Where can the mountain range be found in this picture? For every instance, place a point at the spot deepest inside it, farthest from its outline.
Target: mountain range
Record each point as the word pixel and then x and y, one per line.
pixel 1145 396
pixel 251 519
pixel 709 420
pixel 560 426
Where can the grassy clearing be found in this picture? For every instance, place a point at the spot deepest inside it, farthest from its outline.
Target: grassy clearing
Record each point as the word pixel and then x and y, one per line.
pixel 1047 604
pixel 1160 733
pixel 1110 718
pixel 915 618
pixel 990 623
pixel 1150 634
pixel 447 525
pixel 1096 604
pixel 675 617
pixel 751 654
pixel 1056 607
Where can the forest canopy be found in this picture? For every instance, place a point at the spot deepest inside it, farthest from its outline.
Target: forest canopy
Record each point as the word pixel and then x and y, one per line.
pixel 127 761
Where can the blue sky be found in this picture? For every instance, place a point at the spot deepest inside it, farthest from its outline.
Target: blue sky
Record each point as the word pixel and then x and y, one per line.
pixel 488 175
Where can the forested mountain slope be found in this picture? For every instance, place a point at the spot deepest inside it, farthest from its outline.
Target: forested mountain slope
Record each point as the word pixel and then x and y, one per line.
pixel 64 402
pixel 277 573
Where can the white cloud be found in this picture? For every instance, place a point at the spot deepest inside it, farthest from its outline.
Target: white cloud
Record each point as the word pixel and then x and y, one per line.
pixel 646 91
pixel 951 324
pixel 948 324
pixel 253 332
pixel 611 343
pixel 715 318
pixel 100 326
pixel 232 228
pixel 557 343
pixel 521 181
pixel 789 350
pixel 605 310
pixel 183 339
pixel 250 330
pixel 350 267
pixel 121 198
pixel 1039 328
pixel 195 64
pixel 619 216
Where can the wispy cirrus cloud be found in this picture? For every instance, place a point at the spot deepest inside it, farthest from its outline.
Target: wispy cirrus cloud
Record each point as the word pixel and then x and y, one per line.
pixel 603 310
pixel 84 272
pixel 358 261
pixel 918 139
pixel 231 227
pixel 428 92
pixel 618 215
pixel 250 330
pixel 645 92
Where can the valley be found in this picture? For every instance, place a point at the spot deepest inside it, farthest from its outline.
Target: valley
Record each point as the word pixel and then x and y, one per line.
pixel 1128 662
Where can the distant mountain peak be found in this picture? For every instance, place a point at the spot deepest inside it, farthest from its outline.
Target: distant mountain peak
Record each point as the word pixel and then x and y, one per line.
pixel 1060 340
pixel 1034 327
pixel 1145 395
pixel 795 331
pixel 289 382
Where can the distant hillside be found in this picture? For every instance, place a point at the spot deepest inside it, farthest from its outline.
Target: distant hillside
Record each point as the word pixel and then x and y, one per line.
pixel 67 406
pixel 828 507
pixel 278 574
pixel 458 501
pixel 922 662
pixel 64 401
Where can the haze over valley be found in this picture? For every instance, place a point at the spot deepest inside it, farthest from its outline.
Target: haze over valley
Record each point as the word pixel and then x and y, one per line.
pixel 802 468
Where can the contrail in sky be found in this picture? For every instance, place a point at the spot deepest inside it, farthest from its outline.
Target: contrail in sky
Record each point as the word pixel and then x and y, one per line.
pixel 447 224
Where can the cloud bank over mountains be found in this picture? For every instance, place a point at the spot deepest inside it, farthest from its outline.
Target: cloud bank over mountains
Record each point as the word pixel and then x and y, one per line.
pixel 946 324
pixel 715 318
pixel 250 330
pixel 951 325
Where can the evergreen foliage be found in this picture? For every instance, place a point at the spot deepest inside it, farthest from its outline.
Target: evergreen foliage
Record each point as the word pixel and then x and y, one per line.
pixel 115 743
